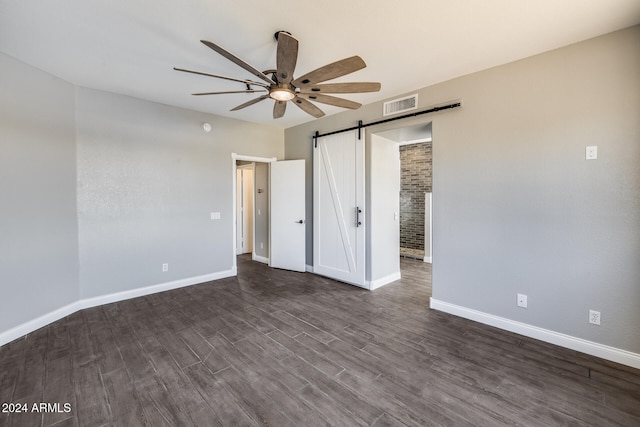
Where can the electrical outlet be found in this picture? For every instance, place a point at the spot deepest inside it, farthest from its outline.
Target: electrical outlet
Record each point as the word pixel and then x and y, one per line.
pixel 261 245
pixel 522 301
pixel 591 152
pixel 215 215
pixel 594 317
pixel 165 267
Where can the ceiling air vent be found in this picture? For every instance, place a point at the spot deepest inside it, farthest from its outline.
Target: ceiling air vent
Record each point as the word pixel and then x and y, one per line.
pixel 400 105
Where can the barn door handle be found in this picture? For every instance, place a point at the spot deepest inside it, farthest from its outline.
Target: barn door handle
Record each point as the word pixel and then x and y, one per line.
pixel 358 212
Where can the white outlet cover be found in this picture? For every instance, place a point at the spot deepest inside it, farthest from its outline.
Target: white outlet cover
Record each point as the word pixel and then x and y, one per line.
pixel 522 301
pixel 594 317
pixel 215 215
pixel 591 152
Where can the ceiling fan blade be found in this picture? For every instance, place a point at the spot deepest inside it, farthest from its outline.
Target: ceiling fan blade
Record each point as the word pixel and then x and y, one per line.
pixel 330 71
pixel 350 87
pixel 331 100
pixel 248 103
pixel 229 91
pixel 279 107
pixel 231 57
pixel 247 82
pixel 286 57
pixel 308 107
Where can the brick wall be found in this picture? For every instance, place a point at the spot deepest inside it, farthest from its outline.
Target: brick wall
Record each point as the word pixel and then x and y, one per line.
pixel 415 180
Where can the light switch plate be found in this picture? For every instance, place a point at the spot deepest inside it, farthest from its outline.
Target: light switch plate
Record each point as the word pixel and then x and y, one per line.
pixel 591 152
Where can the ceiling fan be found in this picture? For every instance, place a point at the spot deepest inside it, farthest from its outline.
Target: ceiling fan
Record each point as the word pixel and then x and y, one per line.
pixel 280 85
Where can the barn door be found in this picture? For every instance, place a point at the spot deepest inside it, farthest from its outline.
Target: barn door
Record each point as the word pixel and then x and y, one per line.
pixel 338 211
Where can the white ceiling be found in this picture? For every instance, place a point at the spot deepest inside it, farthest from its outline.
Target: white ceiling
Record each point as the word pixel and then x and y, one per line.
pixel 130 46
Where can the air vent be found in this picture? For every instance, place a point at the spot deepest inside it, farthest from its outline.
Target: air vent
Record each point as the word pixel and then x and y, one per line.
pixel 400 105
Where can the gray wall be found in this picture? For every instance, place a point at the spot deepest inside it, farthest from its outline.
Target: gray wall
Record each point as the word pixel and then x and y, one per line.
pixel 38 223
pixel 148 179
pixel 99 190
pixel 517 208
pixel 261 231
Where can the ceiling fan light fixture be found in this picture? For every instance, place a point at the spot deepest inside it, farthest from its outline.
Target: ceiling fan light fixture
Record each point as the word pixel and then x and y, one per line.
pixel 278 84
pixel 282 94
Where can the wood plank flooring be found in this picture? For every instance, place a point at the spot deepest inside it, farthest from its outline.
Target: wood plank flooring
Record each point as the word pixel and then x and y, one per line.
pixel 279 348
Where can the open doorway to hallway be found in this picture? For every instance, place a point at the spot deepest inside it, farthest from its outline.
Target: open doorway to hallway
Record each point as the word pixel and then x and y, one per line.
pixel 415 199
pixel 274 193
pixel 251 207
pixel 415 154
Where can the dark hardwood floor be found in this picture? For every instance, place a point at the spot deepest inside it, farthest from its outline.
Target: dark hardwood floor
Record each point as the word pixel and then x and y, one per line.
pixel 279 348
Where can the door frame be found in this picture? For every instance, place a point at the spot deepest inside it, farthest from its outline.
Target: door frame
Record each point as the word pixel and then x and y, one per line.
pixel 234 158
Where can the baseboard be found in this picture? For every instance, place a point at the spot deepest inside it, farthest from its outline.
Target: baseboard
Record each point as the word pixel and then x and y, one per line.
pixel 261 259
pixel 375 284
pixel 148 290
pixel 309 268
pixel 38 322
pixel 427 259
pixel 45 319
pixel 589 347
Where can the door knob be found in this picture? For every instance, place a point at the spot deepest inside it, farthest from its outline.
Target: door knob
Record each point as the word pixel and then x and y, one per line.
pixel 300 222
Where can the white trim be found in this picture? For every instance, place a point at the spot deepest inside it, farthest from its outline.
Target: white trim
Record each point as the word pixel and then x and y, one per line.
pixel 45 319
pixel 589 347
pixel 375 284
pixel 428 243
pixel 148 290
pixel 39 322
pixel 259 258
pixel 309 268
pixel 236 156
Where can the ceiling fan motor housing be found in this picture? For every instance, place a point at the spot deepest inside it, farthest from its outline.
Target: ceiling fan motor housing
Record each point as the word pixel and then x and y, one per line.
pixel 277 34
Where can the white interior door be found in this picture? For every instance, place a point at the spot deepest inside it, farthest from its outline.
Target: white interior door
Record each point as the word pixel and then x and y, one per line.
pixel 338 208
pixel 287 218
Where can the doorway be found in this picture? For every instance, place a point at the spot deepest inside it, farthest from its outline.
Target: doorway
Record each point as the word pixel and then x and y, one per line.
pixel 274 195
pixel 346 176
pixel 251 207
pixel 415 198
pixel 415 212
